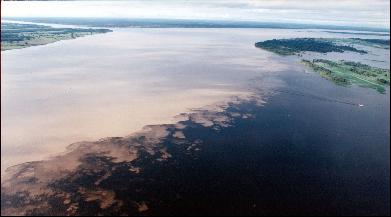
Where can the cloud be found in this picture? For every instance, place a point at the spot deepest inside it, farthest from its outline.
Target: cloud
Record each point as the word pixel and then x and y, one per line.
pixel 375 13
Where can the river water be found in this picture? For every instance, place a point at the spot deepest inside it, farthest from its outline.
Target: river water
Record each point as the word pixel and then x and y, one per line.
pixel 113 84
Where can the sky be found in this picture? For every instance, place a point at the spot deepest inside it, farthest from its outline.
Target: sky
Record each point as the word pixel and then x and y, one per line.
pixel 367 13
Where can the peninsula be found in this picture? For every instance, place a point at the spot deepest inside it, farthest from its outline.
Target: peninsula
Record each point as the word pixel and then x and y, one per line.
pixel 16 35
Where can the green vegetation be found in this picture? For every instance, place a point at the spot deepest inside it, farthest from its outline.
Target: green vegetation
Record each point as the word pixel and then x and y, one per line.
pixel 340 72
pixel 14 35
pixel 297 45
pixel 346 73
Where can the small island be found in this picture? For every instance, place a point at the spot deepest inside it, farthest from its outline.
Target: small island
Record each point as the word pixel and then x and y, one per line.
pixel 16 35
pixel 347 73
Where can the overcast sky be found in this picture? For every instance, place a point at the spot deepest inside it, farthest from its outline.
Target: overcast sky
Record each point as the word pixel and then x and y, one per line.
pixel 373 13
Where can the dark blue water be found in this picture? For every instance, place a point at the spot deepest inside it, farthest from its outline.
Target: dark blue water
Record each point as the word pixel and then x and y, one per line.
pixel 300 155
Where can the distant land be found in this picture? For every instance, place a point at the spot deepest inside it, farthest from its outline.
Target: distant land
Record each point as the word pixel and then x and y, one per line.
pixel 15 35
pixel 359 33
pixel 184 23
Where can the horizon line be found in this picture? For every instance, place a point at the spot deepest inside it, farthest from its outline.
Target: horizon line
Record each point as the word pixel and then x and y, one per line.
pixel 217 21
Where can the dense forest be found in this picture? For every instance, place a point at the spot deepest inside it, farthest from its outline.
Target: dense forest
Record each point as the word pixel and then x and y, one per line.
pixel 296 45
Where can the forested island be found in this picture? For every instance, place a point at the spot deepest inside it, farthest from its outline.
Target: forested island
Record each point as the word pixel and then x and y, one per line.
pixel 297 45
pixel 16 35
